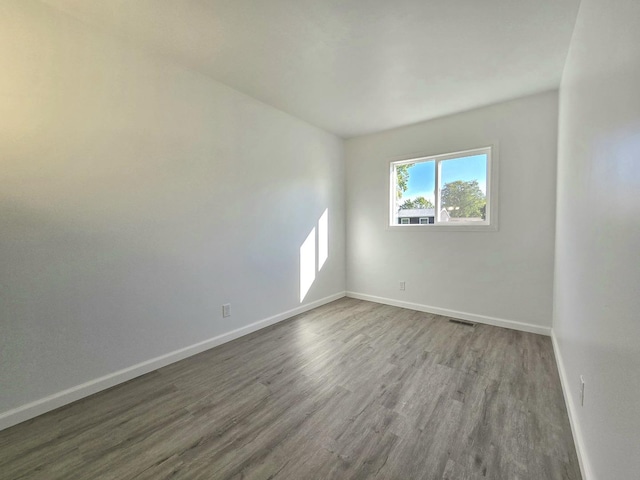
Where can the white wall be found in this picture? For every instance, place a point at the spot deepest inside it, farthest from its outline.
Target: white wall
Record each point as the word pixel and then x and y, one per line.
pixel 136 197
pixel 502 276
pixel 597 282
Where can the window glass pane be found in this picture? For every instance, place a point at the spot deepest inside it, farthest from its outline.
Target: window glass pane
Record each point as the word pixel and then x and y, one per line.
pixel 463 189
pixel 415 192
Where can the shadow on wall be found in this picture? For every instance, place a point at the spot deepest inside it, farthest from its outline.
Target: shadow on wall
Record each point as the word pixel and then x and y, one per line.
pixel 79 300
pixel 309 253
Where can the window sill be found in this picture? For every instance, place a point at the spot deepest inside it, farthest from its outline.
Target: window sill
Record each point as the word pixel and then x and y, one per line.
pixel 443 228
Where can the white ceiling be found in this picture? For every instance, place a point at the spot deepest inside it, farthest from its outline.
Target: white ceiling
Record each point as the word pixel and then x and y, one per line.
pixel 355 66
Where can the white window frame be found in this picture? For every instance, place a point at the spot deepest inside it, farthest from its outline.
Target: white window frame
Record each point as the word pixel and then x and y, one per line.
pixel 402 221
pixel 491 212
pixel 420 220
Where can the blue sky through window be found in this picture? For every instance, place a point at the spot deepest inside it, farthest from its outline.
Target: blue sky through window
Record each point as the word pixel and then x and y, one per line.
pixel 422 175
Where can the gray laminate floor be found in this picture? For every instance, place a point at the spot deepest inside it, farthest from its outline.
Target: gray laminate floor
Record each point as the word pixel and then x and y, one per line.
pixel 349 390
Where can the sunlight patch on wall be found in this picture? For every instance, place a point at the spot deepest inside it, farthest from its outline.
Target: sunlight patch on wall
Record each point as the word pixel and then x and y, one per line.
pixel 309 253
pixel 323 239
pixel 307 263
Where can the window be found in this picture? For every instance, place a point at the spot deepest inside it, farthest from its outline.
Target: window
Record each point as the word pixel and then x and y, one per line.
pixel 446 190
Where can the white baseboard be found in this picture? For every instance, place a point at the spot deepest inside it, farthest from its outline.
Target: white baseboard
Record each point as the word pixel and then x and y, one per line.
pixel 498 322
pixel 585 467
pixel 51 402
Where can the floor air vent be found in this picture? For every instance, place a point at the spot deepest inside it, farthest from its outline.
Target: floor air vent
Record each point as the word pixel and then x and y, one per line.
pixel 462 322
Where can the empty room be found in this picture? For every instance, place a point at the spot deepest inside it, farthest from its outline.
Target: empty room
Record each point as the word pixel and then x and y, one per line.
pixel 319 239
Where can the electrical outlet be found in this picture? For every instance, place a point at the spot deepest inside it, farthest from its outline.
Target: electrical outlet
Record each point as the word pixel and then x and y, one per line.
pixel 581 391
pixel 226 310
pixel 402 285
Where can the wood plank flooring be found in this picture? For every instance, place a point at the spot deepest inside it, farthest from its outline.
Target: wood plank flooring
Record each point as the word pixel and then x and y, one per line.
pixel 350 390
